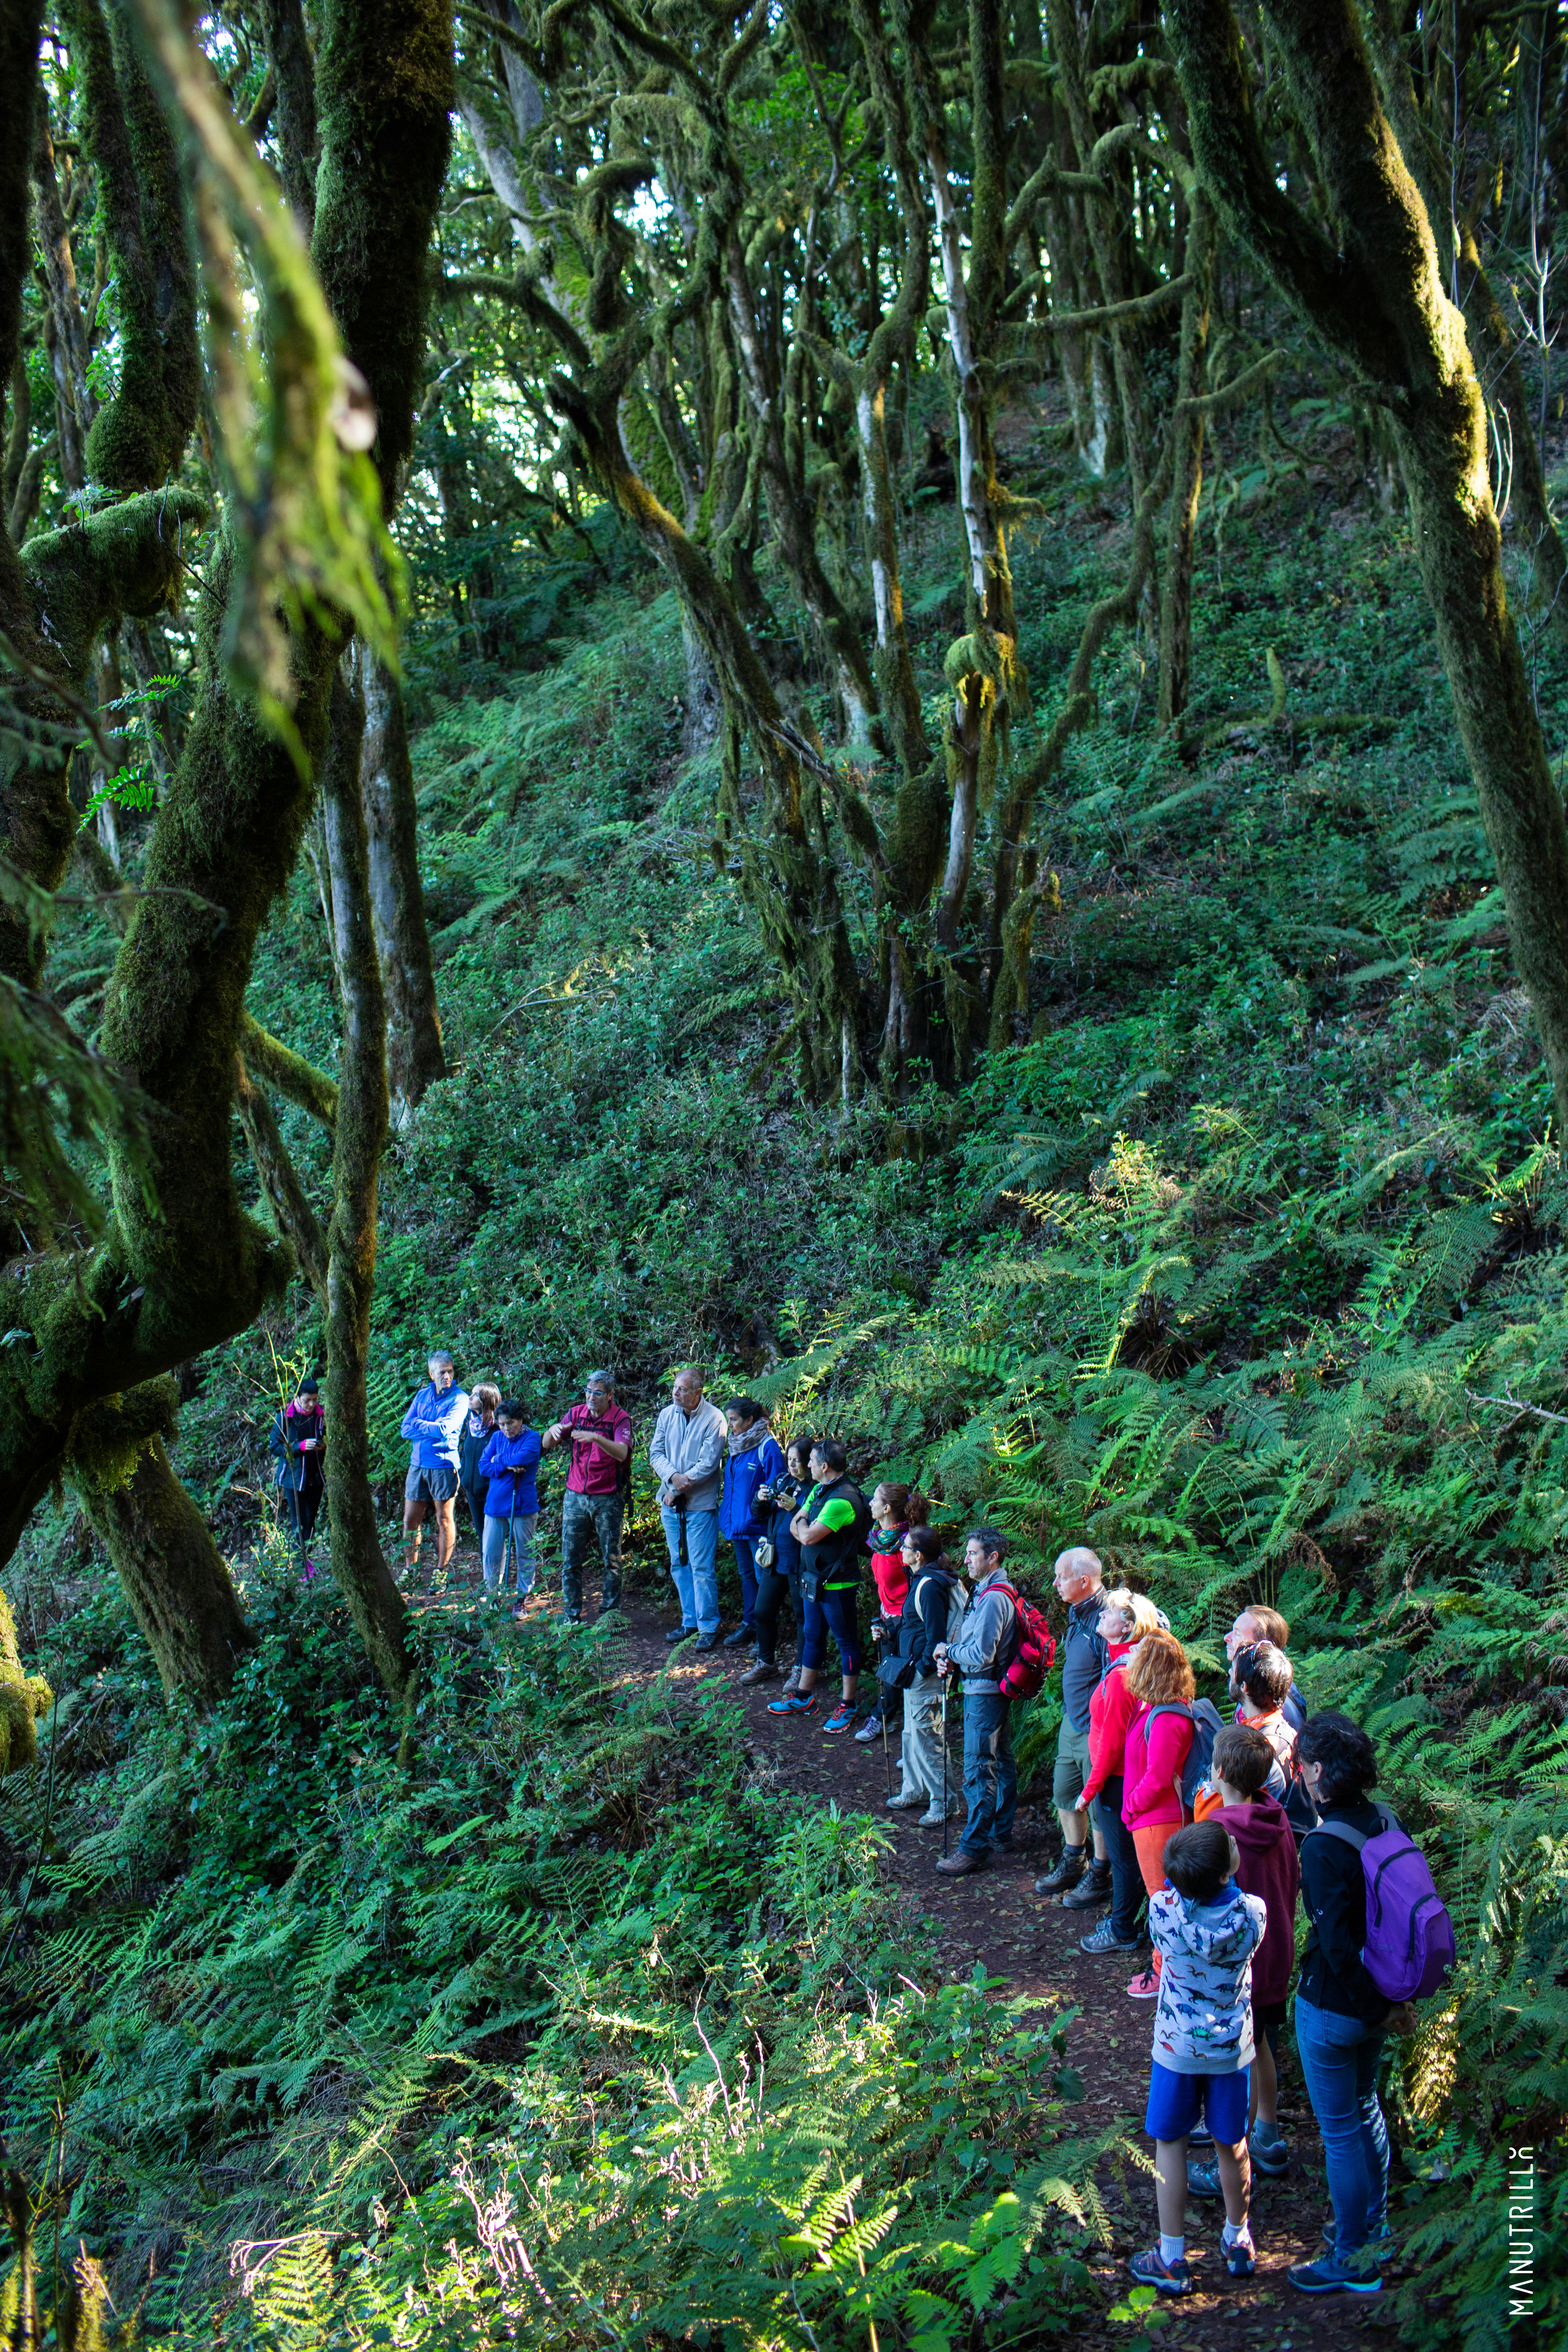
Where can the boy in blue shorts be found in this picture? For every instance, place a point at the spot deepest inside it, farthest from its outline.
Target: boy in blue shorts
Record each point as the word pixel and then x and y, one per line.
pixel 1206 1931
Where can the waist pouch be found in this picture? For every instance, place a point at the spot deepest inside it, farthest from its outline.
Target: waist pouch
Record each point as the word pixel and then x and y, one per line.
pixel 810 1582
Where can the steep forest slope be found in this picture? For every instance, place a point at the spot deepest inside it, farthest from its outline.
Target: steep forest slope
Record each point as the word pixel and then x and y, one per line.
pixel 1247 1267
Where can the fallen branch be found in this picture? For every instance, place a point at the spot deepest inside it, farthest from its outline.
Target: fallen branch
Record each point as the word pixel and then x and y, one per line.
pixel 1517 1407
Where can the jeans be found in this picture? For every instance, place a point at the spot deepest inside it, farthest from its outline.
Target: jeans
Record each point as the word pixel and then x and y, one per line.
pixel 773 1583
pixel 583 1517
pixel 746 1570
pixel 836 1613
pixel 1338 2063
pixel 1126 1878
pixel 696 1579
pixel 521 1526
pixel 990 1775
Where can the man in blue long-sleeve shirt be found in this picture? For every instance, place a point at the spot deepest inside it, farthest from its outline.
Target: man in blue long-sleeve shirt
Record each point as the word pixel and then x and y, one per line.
pixel 434 1427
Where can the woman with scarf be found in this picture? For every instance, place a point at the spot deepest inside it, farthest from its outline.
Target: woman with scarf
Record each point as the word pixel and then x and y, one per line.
pixel 894 1511
pixel 754 1460
pixel 776 1556
pixel 932 1611
pixel 479 1428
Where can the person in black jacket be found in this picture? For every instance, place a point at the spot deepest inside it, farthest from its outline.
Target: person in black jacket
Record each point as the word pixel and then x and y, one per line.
pixel 781 1574
pixel 932 1611
pixel 1340 2016
pixel 298 1444
pixel 479 1429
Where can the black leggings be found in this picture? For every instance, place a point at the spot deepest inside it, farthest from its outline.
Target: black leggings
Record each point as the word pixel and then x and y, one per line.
pixel 773 1583
pixel 1126 1877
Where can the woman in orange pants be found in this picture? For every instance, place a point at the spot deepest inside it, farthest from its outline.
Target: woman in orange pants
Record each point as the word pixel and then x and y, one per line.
pixel 1158 1738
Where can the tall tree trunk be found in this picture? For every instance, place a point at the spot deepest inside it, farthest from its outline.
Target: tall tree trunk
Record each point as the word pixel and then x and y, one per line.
pixel 174 1575
pixel 1381 306
pixel 1188 474
pixel 415 1059
pixel 358 1563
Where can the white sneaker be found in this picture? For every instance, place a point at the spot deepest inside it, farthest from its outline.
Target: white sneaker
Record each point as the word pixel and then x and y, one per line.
pixel 934 1818
pixel 907 1804
pixel 869 1730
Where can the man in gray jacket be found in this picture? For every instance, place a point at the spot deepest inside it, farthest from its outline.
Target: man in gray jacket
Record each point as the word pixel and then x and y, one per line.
pixel 689 1441
pixel 982 1654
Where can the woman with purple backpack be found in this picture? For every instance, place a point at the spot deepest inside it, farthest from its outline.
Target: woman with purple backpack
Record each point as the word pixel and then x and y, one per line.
pixel 1340 2015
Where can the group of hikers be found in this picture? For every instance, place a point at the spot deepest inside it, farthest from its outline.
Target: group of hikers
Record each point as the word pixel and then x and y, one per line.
pixel 1196 1834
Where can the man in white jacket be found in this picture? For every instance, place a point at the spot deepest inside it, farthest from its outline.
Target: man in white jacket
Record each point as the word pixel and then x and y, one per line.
pixel 690 1439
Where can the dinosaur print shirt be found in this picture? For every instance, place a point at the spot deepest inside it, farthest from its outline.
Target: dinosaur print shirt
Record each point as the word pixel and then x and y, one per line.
pixel 1202 2024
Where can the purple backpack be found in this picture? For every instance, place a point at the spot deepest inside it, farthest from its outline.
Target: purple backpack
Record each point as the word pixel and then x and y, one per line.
pixel 1409 1947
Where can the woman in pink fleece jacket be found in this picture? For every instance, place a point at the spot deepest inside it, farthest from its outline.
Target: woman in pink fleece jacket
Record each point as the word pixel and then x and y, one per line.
pixel 1157 1744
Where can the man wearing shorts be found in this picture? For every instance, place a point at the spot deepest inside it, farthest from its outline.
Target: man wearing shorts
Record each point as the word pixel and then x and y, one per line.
pixel 1079 1583
pixel 434 1427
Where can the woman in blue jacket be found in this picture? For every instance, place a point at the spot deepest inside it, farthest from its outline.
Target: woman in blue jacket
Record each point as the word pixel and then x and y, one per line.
pixel 754 1460
pixel 511 1463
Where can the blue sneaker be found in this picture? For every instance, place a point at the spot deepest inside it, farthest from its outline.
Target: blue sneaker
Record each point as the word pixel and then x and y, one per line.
pixel 1240 2255
pixel 1379 2249
pixel 1203 2179
pixel 1330 2276
pixel 1151 2269
pixel 795 1703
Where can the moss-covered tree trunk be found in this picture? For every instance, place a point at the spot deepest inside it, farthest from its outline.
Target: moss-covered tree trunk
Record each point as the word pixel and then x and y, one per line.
pixel 170 1571
pixel 415 1058
pixel 1187 470
pixel 358 1564
pixel 1382 305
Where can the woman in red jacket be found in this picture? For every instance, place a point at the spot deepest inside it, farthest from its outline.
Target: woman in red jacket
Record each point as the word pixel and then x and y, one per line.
pixel 1157 1742
pixel 1124 1619
pixel 894 1511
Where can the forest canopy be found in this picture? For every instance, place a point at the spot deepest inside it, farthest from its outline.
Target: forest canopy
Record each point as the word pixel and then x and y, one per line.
pixel 917 654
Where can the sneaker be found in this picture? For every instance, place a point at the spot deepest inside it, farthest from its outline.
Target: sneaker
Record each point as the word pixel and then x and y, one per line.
pixel 933 1817
pixel 1200 2136
pixel 960 1864
pixel 1380 2248
pixel 1203 2179
pixel 1106 1939
pixel 842 1716
pixel 1269 2156
pixel 1151 2269
pixel 870 1730
pixel 907 1804
pixel 742 1634
pixel 795 1703
pixel 1093 1887
pixel 1068 1870
pixel 1144 1988
pixel 1330 2276
pixel 1240 2255
pixel 764 1670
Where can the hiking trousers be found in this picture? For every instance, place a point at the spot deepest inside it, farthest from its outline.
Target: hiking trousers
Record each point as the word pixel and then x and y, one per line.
pixel 586 1518
pixel 919 1753
pixel 773 1583
pixel 990 1775
pixel 513 1535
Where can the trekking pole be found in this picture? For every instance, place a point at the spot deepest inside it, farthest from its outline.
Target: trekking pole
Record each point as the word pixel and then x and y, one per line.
pixel 944 1767
pixel 887 1758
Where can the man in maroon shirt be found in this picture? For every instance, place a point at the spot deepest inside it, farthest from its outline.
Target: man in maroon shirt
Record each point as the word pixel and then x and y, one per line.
pixel 600 1436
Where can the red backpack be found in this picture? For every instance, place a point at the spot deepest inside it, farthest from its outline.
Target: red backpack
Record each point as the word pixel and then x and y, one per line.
pixel 1034 1648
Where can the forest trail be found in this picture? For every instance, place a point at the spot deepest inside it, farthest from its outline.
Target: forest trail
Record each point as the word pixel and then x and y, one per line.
pixel 995 1918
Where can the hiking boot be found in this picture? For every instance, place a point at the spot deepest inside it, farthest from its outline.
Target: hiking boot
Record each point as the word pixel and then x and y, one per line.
pixel 1330 2276
pixel 1106 1939
pixel 1151 2269
pixel 933 1817
pixel 742 1634
pixel 960 1864
pixel 1093 1887
pixel 1068 1870
pixel 1144 1988
pixel 907 1802
pixel 842 1716
pixel 709 1641
pixel 1269 2156
pixel 869 1730
pixel 680 1633
pixel 793 1703
pixel 764 1670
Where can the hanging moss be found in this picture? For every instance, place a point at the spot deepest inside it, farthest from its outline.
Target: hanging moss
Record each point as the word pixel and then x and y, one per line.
pixel 24 1698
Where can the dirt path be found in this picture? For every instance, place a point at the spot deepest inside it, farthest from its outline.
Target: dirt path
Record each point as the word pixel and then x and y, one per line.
pixel 994 1917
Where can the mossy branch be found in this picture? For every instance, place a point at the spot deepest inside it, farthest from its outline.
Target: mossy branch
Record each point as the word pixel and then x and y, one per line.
pixel 124 560
pixel 278 1065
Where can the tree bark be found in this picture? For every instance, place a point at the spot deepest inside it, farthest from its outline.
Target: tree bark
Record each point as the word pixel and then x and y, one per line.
pixel 174 1575
pixel 1380 305
pixel 358 1564
pixel 415 1059
pixel 1188 474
